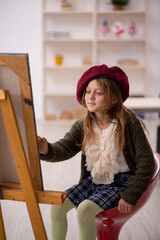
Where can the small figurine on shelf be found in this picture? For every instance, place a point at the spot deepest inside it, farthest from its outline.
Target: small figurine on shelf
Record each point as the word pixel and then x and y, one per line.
pixel 118 28
pixel 67 5
pixel 104 29
pixel 87 60
pixel 50 117
pixel 58 59
pixel 132 28
pixel 65 115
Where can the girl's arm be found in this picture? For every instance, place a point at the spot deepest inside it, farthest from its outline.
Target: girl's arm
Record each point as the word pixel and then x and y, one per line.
pixel 141 156
pixel 65 148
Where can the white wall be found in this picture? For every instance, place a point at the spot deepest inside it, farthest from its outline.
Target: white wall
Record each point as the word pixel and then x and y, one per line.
pixel 154 48
pixel 21 31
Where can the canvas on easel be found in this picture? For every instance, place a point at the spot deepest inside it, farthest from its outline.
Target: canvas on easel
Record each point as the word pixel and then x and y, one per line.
pixel 15 77
pixel 20 173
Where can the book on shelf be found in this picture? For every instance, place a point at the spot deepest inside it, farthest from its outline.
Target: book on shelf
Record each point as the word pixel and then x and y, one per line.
pixel 67 5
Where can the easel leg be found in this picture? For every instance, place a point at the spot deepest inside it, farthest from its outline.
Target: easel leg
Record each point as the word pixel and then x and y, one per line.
pixel 2 230
pixel 22 165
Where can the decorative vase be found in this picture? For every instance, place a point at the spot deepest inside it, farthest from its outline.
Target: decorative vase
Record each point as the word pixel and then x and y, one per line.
pixel 118 7
pixel 58 60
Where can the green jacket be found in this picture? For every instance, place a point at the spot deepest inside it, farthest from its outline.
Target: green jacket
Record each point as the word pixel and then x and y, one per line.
pixel 137 152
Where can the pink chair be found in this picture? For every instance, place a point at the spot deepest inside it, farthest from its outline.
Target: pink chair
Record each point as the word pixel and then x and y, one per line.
pixel 110 222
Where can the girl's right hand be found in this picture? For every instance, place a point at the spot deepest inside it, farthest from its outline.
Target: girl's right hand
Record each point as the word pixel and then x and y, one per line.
pixel 43 145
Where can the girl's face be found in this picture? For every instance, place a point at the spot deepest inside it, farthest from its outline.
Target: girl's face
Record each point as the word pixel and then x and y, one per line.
pixel 94 98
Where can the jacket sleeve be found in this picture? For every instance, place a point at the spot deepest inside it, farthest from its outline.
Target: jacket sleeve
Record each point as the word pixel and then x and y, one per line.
pixel 143 161
pixel 66 147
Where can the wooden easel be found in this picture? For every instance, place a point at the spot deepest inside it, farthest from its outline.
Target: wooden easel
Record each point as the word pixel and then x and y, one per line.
pixel 30 188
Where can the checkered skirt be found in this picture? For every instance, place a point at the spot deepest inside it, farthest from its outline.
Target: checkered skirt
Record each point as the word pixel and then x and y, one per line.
pixel 105 195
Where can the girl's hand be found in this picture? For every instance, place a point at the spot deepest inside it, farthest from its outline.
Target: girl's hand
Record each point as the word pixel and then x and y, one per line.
pixel 124 207
pixel 43 145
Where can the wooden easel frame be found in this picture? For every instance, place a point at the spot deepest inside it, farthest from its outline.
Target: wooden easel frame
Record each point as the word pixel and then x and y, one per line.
pixel 27 190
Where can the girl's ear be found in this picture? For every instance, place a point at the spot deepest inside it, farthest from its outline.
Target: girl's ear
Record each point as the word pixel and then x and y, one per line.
pixel 114 101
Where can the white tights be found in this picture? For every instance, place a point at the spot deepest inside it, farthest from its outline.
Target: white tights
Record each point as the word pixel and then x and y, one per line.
pixel 86 212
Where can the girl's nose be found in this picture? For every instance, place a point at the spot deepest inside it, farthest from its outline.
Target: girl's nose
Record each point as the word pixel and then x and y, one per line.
pixel 92 95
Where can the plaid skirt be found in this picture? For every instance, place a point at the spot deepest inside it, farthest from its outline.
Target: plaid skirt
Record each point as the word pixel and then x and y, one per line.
pixel 105 195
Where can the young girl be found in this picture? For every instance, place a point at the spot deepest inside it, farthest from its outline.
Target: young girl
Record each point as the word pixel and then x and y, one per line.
pixel 117 162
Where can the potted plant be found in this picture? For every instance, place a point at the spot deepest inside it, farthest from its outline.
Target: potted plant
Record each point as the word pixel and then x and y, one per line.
pixel 118 4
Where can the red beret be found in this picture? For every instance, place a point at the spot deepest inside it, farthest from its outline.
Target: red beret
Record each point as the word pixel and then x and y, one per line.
pixel 114 73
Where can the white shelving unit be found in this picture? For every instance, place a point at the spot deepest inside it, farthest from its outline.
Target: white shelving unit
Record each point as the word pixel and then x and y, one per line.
pixel 79 36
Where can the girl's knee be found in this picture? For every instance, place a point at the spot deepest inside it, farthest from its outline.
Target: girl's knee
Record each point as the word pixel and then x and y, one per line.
pixel 56 210
pixel 85 211
pixel 61 210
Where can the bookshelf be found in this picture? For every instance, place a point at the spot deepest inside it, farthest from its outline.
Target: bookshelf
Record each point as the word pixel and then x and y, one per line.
pixel 76 36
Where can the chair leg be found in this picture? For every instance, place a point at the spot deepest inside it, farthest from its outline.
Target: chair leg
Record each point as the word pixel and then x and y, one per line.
pixel 111 235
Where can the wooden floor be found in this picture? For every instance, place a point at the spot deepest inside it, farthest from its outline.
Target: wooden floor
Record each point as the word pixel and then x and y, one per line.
pixel 145 225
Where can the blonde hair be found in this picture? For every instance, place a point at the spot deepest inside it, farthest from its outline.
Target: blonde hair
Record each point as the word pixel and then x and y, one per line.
pixel 114 109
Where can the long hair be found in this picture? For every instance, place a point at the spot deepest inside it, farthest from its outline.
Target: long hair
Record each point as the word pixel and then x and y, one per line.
pixel 113 108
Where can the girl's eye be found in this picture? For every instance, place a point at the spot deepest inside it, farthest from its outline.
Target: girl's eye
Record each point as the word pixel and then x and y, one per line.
pixel 98 93
pixel 87 91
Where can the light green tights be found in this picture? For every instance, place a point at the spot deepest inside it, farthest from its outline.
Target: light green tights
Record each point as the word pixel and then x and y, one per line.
pixel 86 212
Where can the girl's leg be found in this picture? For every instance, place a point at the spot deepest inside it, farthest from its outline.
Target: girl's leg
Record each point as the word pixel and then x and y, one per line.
pixel 59 219
pixel 86 212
